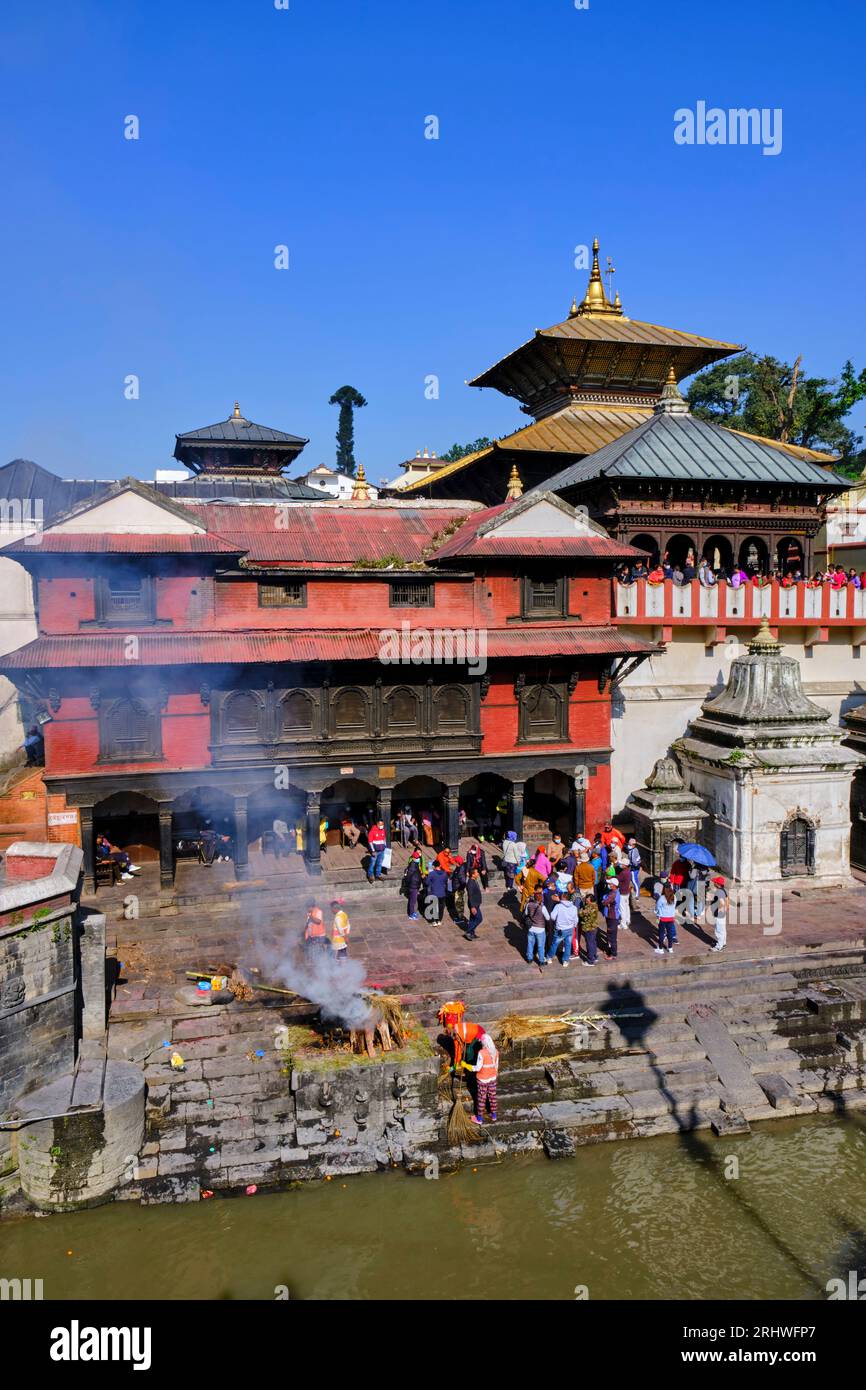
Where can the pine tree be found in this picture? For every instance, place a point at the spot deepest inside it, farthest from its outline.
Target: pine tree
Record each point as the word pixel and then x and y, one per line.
pixel 349 400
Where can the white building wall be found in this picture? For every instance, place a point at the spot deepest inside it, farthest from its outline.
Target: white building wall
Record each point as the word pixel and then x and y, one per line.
pixel 657 702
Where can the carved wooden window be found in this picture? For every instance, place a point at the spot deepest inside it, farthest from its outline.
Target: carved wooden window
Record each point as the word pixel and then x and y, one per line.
pixel 242 716
pixel 543 714
pixel 297 712
pixel 402 709
pixel 125 596
pixel 291 595
pixel 544 598
pixel 350 713
pixel 411 593
pixel 130 731
pixel 451 710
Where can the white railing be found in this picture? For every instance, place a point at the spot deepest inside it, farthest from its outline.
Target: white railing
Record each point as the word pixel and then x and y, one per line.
pixel 722 605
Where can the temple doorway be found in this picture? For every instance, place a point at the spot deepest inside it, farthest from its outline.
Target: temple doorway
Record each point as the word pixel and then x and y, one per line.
pixel 348 799
pixel 754 556
pixel 789 555
pixel 547 805
pixel 797 850
pixel 718 553
pixel 424 798
pixel 644 541
pixel 484 803
pixel 131 822
pixel 678 549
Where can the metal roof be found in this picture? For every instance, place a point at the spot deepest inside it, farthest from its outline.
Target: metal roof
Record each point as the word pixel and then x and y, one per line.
pixel 681 447
pixel 209 488
pixel 331 533
pixel 238 430
pixel 467 543
pixel 355 644
pixel 122 543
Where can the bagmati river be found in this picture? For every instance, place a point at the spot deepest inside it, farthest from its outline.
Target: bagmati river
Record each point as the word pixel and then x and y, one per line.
pixel 644 1219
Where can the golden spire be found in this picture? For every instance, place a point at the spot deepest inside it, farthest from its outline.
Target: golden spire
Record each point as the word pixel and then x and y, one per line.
pixel 236 413
pixel 763 641
pixel 595 301
pixel 670 402
pixel 515 484
pixel 360 487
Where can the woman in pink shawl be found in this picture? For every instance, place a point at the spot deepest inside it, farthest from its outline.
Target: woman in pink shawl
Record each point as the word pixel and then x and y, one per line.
pixel 541 862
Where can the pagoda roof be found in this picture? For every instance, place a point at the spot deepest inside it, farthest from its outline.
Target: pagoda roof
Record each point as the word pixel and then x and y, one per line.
pixel 598 348
pixel 237 430
pixel 683 448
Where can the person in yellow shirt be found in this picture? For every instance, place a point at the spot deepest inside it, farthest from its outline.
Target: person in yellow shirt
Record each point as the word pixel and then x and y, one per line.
pixel 340 929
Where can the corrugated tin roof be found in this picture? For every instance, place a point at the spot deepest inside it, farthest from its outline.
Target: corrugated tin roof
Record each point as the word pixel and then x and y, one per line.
pixel 184 648
pixel 565 641
pixel 680 447
pixel 249 648
pixel 103 543
pixel 330 534
pixel 466 542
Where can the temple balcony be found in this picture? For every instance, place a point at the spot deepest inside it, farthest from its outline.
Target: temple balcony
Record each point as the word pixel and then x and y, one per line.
pixel 667 606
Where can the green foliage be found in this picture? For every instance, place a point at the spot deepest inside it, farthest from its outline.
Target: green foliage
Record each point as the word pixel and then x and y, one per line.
pixel 386 562
pixel 764 396
pixel 460 451
pixel 349 400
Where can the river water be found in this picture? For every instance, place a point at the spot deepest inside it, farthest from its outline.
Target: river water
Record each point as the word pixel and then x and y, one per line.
pixel 662 1219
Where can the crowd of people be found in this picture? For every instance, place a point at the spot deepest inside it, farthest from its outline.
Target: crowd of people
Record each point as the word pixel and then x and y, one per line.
pixel 736 576
pixel 572 900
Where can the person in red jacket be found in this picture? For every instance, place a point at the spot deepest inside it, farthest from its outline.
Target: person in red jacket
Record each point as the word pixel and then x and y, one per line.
pixel 611 836
pixel 377 839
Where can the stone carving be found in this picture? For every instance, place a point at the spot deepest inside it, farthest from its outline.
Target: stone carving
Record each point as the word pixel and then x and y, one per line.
pixel 665 776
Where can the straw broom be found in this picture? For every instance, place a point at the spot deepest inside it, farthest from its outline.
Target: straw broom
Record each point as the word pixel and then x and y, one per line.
pixel 459 1129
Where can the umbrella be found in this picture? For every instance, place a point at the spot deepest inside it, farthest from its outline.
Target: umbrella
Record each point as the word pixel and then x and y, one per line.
pixel 697 854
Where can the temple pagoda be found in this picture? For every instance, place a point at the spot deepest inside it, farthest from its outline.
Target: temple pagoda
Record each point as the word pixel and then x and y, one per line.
pixel 585 382
pixel 238 448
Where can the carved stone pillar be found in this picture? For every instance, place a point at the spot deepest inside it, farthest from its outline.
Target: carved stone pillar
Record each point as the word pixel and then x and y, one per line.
pixel 88 847
pixel 576 810
pixel 242 857
pixel 516 805
pixel 166 848
pixel 314 815
pixel 383 801
pixel 452 823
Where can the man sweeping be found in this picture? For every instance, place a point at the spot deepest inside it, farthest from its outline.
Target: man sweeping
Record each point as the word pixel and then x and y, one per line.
pixel 486 1069
pixel 465 1036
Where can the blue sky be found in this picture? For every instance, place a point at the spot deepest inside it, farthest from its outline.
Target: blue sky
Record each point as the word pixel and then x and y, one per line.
pixel 408 257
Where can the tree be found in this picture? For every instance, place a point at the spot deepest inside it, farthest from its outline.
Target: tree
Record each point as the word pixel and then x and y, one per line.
pixel 763 396
pixel 349 400
pixel 459 451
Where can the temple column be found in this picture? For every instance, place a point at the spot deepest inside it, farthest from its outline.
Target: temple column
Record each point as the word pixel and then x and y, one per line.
pixel 314 849
pixel 515 799
pixel 242 856
pixel 576 809
pixel 88 847
pixel 383 804
pixel 166 848
pixel 452 823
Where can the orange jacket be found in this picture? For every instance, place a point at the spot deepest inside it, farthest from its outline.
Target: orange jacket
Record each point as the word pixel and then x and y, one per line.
pixel 487 1065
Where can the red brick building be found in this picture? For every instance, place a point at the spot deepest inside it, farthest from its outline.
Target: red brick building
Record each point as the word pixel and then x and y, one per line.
pixel 241 661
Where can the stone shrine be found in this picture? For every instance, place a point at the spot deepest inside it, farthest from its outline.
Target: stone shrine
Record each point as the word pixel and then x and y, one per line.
pixel 772 768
